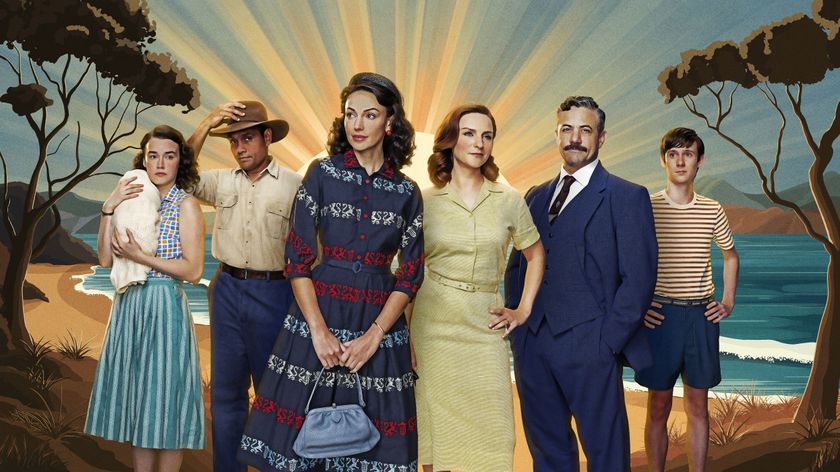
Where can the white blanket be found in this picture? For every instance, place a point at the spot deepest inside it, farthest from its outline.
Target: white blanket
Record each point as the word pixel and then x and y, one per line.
pixel 141 215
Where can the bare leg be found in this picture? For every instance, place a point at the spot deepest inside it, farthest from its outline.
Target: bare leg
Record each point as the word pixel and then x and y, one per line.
pixel 656 428
pixel 144 459
pixel 170 460
pixel 697 411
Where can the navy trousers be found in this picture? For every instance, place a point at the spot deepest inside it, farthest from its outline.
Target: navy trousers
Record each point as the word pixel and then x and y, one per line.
pixel 245 319
pixel 572 374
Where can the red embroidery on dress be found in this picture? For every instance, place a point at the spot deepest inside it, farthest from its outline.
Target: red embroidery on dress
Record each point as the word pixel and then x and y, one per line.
pixel 387 170
pixel 294 268
pixel 300 247
pixel 350 159
pixel 409 268
pixel 281 415
pixel 390 428
pixel 350 294
pixel 345 254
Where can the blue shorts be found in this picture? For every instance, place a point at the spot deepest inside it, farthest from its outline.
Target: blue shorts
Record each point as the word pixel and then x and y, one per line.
pixel 685 343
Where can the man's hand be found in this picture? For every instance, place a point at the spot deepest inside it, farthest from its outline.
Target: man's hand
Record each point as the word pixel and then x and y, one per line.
pixel 716 311
pixel 225 113
pixel 654 318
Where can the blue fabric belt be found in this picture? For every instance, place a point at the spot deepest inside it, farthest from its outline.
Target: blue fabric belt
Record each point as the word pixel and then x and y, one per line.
pixel 358 266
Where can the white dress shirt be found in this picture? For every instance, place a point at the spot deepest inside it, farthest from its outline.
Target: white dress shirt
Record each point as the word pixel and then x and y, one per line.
pixel 581 176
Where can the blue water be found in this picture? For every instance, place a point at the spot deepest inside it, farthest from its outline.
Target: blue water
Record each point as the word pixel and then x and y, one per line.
pixel 781 295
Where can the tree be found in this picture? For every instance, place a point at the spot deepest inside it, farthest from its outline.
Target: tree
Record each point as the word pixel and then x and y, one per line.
pixel 779 58
pixel 53 47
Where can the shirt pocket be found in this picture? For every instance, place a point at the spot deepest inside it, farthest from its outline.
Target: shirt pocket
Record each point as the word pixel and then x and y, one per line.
pixel 225 207
pixel 278 220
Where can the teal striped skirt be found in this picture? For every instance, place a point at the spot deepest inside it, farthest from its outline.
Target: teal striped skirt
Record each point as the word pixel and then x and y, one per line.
pixel 147 389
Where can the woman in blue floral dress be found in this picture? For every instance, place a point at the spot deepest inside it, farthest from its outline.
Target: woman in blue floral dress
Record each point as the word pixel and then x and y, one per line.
pixel 348 312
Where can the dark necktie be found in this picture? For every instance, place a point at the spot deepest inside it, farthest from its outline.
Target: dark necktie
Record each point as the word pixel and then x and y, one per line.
pixel 557 204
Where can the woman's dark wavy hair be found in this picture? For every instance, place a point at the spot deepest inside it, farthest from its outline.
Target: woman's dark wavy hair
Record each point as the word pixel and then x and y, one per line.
pixel 187 176
pixel 399 147
pixel 446 137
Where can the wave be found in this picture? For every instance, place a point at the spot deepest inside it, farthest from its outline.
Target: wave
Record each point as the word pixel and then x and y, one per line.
pixel 768 350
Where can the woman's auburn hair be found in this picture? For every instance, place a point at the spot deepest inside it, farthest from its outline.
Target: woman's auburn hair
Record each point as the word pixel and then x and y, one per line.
pixel 446 137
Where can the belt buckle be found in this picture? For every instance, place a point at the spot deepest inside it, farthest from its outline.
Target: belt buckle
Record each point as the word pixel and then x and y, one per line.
pixel 357 266
pixel 244 274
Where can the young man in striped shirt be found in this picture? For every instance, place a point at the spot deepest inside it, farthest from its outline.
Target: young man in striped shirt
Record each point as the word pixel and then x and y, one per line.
pixel 684 316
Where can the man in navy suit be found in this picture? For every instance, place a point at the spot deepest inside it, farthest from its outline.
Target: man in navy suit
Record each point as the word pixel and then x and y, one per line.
pixel 600 256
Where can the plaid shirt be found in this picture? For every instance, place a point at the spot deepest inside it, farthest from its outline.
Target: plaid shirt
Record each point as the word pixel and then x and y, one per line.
pixel 169 237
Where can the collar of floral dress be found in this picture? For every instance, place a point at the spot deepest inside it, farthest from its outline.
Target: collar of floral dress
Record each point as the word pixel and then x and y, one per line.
pixel 387 170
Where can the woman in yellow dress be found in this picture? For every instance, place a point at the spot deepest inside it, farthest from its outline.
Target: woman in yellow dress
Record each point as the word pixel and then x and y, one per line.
pixel 459 327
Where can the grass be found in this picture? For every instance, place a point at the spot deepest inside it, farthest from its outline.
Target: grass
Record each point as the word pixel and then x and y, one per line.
pixel 72 347
pixel 42 380
pixel 676 435
pixel 37 350
pixel 754 403
pixel 727 421
pixel 817 429
pixel 48 423
pixel 827 457
pixel 24 455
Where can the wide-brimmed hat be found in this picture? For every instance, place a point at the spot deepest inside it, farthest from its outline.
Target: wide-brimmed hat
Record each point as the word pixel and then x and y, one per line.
pixel 255 115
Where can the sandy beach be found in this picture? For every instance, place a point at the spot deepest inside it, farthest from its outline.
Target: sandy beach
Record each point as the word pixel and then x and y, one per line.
pixel 86 317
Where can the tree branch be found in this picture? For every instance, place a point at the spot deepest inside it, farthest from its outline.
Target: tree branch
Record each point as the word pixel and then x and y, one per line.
pixel 731 101
pixel 96 174
pixel 771 194
pixel 796 104
pixel 7 200
pixel 771 97
pixel 54 151
pixel 693 109
pixel 14 69
pixel 123 149
pixel 830 135
pixel 42 245
pixel 78 163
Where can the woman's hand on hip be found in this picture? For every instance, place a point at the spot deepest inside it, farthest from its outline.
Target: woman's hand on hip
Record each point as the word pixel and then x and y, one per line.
pixel 508 319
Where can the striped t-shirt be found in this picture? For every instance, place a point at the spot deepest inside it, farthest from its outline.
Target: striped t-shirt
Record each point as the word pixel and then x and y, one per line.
pixel 684 234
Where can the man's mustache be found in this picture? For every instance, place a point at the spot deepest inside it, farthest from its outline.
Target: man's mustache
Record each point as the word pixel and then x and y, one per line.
pixel 575 147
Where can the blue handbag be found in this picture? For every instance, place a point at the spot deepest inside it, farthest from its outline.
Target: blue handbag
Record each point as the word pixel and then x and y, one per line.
pixel 335 430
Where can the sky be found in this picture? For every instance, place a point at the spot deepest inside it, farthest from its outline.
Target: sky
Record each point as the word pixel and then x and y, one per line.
pixel 520 58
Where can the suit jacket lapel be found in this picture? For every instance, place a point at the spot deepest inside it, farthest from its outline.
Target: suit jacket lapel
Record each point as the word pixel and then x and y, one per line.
pixel 583 206
pixel 541 203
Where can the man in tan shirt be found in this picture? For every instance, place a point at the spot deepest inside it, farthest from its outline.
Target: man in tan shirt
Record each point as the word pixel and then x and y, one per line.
pixel 249 295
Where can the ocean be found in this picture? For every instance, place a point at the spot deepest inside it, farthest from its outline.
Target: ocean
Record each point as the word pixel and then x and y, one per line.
pixel 767 344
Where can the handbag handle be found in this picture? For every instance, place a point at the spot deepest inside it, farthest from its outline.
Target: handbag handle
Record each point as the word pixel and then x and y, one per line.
pixel 314 387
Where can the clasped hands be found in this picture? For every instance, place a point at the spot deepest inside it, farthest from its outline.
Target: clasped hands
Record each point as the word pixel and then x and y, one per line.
pixel 352 354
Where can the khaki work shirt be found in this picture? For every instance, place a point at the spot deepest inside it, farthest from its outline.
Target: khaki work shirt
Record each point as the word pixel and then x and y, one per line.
pixel 252 218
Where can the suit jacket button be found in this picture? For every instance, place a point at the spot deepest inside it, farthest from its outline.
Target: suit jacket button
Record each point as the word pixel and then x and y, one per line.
pixel 550 235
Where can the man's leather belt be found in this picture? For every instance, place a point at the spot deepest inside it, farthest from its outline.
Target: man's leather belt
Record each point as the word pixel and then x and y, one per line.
pixel 250 274
pixel 683 302
pixel 358 266
pixel 465 286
